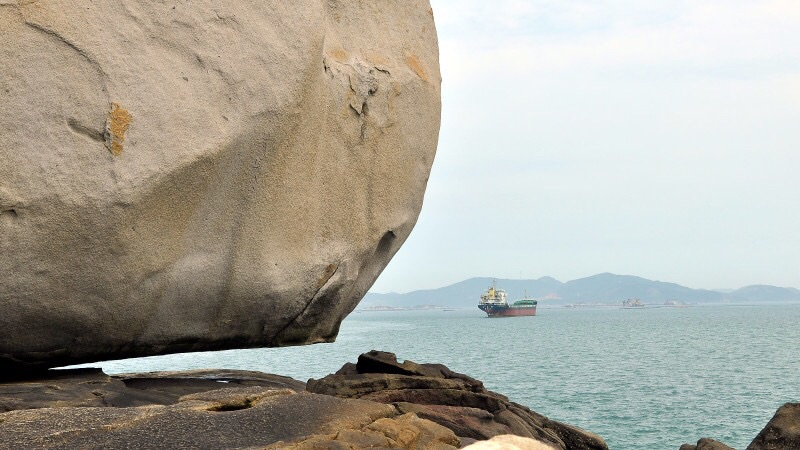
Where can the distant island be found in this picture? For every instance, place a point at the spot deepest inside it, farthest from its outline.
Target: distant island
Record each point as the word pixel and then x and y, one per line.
pixel 596 290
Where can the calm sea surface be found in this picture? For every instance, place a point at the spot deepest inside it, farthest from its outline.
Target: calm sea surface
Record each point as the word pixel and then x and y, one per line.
pixel 650 378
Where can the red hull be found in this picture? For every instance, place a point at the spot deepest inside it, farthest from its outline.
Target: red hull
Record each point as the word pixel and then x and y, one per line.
pixel 508 311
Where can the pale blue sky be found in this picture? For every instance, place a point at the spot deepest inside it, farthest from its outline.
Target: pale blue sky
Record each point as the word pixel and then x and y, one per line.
pixel 659 139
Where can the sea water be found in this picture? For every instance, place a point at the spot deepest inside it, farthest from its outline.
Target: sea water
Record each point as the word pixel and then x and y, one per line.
pixel 644 378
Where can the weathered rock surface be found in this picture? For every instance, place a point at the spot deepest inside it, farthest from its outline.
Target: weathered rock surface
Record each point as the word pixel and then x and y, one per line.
pixel 92 387
pixel 354 409
pixel 179 177
pixel 199 409
pixel 456 401
pixel 406 432
pixel 781 432
pixel 706 444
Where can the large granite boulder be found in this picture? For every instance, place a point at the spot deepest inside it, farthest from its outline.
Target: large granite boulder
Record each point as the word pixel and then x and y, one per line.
pixel 193 176
pixel 451 399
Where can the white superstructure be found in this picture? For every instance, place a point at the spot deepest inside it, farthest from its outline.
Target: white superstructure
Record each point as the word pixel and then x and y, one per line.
pixel 494 296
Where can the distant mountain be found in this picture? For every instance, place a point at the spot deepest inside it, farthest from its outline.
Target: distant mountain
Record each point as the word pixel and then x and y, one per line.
pixel 601 288
pixel 610 288
pixel 761 293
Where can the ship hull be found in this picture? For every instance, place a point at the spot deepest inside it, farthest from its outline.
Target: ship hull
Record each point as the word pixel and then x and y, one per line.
pixel 508 311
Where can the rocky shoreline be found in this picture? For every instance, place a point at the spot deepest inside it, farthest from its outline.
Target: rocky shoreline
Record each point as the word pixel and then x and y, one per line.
pixel 377 402
pixel 451 399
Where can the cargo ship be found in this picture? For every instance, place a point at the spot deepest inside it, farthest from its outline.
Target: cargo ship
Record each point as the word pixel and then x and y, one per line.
pixel 494 304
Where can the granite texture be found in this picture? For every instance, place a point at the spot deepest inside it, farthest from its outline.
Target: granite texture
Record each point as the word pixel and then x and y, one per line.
pixel 208 175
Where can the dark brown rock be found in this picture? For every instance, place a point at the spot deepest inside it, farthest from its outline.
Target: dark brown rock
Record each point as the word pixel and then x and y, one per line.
pixel 472 423
pixel 781 432
pixel 574 437
pixel 356 386
pixel 706 444
pixel 434 396
pixel 347 369
pixel 453 400
pixel 385 362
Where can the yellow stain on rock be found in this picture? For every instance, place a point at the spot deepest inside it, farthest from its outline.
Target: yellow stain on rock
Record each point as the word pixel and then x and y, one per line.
pixel 338 54
pixel 413 63
pixel 119 119
pixel 329 271
pixel 377 60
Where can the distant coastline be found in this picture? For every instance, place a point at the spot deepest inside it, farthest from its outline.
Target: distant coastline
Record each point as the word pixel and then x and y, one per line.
pixel 602 290
pixel 674 304
pixel 407 308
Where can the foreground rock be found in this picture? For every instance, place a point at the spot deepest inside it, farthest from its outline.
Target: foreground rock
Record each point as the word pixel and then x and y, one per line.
pixel 180 177
pixel 453 400
pixel 85 408
pixel 510 442
pixel 782 432
pixel 93 388
pixel 706 444
pixel 406 432
pixel 200 409
pixel 377 403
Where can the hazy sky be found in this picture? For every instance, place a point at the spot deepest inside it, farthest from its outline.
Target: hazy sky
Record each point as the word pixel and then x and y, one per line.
pixel 659 139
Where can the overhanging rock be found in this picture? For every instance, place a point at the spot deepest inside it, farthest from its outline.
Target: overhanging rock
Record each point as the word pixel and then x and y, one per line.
pixel 206 175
